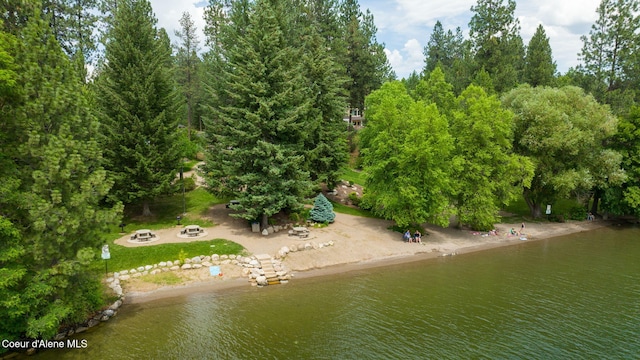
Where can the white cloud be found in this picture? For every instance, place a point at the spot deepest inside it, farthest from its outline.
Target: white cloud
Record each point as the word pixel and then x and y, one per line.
pixel 169 13
pixel 399 20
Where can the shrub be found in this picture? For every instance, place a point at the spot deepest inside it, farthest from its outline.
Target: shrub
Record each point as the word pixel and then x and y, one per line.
pixel 577 212
pixel 322 210
pixel 355 199
pixel 189 183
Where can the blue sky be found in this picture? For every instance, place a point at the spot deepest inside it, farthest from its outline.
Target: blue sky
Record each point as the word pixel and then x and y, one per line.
pixel 404 26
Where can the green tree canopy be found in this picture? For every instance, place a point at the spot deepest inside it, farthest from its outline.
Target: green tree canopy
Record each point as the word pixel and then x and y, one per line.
pixel 55 187
pixel 563 131
pixel 406 147
pixel 488 174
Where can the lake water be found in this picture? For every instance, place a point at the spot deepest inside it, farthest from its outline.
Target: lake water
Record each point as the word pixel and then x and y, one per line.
pixel 574 297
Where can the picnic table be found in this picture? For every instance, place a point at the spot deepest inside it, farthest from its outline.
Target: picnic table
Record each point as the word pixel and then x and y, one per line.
pixel 191 230
pixel 143 235
pixel 299 231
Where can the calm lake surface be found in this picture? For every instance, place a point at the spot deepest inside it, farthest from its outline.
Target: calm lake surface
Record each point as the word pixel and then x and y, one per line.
pixel 574 297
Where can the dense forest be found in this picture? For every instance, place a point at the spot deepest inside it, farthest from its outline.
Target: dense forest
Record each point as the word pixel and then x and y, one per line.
pixel 98 109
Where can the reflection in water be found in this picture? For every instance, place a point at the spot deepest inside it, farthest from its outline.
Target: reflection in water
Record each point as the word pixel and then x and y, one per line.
pixel 568 298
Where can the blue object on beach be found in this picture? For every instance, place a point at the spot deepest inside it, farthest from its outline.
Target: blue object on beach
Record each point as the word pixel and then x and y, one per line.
pixel 214 270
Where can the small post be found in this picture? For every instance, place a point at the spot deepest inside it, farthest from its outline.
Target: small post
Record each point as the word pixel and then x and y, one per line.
pixel 106 256
pixel 122 225
pixel 178 218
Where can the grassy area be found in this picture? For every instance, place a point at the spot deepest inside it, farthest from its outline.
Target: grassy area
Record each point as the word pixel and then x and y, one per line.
pixel 521 211
pixel 125 258
pixel 354 176
pixel 163 279
pixel 165 211
pixel 188 165
pixel 343 209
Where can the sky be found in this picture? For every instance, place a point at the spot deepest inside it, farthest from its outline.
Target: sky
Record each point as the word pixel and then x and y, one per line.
pixel 404 26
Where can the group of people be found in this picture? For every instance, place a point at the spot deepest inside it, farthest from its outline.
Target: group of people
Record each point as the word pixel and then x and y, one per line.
pixel 417 237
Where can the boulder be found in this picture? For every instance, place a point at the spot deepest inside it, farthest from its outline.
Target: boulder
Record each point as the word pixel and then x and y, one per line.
pixel 265 232
pixel 262 281
pixel 124 272
pixel 137 275
pixel 215 257
pixel 186 267
pixel 169 264
pixel 196 260
pixel 140 269
pixel 92 323
pixel 108 312
pixel 148 267
pixel 162 264
pixel 196 266
pixel 116 305
pixel 174 268
pixel 125 277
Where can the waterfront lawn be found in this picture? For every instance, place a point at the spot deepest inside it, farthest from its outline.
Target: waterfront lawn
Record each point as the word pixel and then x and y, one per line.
pixel 520 210
pixel 343 209
pixel 125 258
pixel 165 211
pixel 354 176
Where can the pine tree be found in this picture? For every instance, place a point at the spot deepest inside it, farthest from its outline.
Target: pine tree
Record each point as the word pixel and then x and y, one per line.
pixel 539 68
pixel 366 63
pixel 326 147
pixel 322 210
pixel 495 36
pixel 55 202
pixel 187 65
pixel 610 52
pixel 258 129
pixel 137 103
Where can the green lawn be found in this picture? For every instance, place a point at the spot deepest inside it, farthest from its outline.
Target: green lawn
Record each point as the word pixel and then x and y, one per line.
pixel 165 210
pixel 343 209
pixel 521 211
pixel 355 176
pixel 125 258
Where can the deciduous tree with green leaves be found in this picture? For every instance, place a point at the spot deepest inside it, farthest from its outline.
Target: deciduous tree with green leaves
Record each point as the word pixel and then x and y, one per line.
pixel 488 174
pixel 563 131
pixel 407 151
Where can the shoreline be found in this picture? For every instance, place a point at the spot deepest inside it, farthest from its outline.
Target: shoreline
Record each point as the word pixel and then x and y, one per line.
pixel 329 261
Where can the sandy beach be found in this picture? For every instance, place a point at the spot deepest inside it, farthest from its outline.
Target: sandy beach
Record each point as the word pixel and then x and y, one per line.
pixel 358 243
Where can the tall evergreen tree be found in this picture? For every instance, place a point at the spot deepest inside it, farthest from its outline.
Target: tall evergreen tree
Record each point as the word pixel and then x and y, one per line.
pixel 137 103
pixel 540 69
pixel 325 147
pixel 366 63
pixel 187 65
pixel 495 34
pixel 448 50
pixel 55 204
pixel 258 130
pixel 612 42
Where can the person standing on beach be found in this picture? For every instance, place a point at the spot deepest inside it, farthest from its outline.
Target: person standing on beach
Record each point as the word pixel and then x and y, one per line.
pixel 521 228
